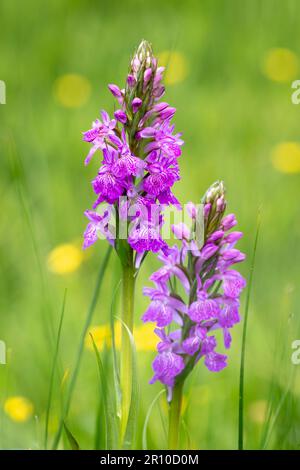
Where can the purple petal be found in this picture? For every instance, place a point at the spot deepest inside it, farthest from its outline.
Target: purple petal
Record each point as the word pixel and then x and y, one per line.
pixel 90 235
pixel 233 284
pixel 131 81
pixel 228 222
pixel 215 361
pixel 136 104
pixel 233 237
pixel 191 209
pixel 93 216
pixel 120 116
pixel 115 90
pixel 181 231
pixel 167 366
pixel 191 345
pixel 208 250
pixel 203 309
pixel 227 338
pixel 158 312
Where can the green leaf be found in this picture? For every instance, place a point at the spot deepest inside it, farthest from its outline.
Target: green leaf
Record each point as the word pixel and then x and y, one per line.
pixel 111 424
pixel 145 446
pixel 130 432
pixel 72 441
pixel 86 326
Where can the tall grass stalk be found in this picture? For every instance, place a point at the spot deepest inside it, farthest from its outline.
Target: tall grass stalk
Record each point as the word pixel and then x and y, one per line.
pixel 81 346
pixel 243 352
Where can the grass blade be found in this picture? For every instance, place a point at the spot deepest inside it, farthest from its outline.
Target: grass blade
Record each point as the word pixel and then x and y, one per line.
pixel 72 441
pixel 271 424
pixel 116 374
pixel 53 369
pixel 103 388
pixel 149 412
pixel 243 352
pixel 88 320
pixel 163 420
pixel 99 438
pixel 279 400
pixel 111 424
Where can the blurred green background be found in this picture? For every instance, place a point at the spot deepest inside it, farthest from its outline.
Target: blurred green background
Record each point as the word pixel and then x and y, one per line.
pixel 231 66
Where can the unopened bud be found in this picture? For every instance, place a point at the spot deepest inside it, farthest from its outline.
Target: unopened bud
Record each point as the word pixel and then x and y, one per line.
pixel 143 59
pixel 136 104
pixel 214 199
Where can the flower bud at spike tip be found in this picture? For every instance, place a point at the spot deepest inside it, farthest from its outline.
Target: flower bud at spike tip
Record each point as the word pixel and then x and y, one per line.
pixel 214 207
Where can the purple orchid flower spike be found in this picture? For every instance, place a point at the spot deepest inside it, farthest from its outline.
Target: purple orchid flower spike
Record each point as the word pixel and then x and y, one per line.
pixel 140 151
pixel 208 299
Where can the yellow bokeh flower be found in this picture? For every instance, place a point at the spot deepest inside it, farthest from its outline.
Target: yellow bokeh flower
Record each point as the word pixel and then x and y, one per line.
pixel 286 157
pixel 64 259
pixel 145 338
pixel 176 64
pixel 19 409
pixel 118 334
pixel 72 90
pixel 257 411
pixel 280 65
pixel 101 336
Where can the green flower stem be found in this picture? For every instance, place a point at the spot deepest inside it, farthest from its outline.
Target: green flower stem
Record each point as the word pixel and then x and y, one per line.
pixel 128 282
pixel 175 416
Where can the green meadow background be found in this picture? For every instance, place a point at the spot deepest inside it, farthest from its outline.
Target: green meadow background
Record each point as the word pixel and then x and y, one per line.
pixel 231 66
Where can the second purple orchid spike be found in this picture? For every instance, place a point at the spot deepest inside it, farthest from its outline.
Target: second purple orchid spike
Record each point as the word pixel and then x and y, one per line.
pixel 207 300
